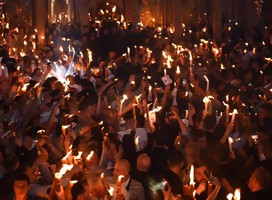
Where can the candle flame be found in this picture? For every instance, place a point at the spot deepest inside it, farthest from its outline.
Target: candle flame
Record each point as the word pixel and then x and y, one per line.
pixel 25 87
pixel 206 99
pixel 61 49
pixel 192 175
pixel 206 78
pixel 178 70
pixel 90 155
pixel 237 194
pixel 113 9
pixel 230 140
pixel 120 177
pixel 79 155
pixel 229 196
pixel 90 56
pixel 111 190
pixel 137 141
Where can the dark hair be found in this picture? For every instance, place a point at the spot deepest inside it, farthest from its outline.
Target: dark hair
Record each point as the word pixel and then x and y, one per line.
pixel 176 158
pixel 210 122
pixel 77 190
pixel 263 177
pixel 11 162
pixel 140 120
pixel 21 177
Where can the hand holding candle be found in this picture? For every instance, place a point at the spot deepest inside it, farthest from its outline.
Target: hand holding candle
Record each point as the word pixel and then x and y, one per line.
pixel 208 84
pixel 118 185
pixel 233 115
pixel 230 141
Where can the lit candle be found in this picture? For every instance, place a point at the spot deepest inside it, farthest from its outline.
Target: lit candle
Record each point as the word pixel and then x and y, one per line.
pixel 188 190
pixel 137 143
pixel 237 194
pixel 227 108
pixel 230 141
pixel 128 52
pixel 149 93
pixel 178 71
pixel 229 196
pixel 206 100
pixel 63 129
pixel 233 115
pixel 90 156
pixel 208 84
pixel 90 56
pixel 118 185
pixel 122 101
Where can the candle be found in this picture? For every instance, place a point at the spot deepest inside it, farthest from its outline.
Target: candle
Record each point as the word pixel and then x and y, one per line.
pixel 122 101
pixel 229 196
pixel 63 129
pixel 178 71
pixel 77 159
pixel 227 108
pixel 208 83
pixel 128 52
pixel 149 93
pixel 57 181
pixel 118 185
pixel 61 49
pixel 233 115
pixel 113 9
pixel 237 194
pixel 230 141
pixel 137 143
pixel 90 156
pixel 188 190
pixel 90 56
pixel 165 72
pixel 206 100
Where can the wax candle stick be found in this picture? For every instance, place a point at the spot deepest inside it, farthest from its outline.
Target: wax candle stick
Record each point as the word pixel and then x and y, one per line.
pixel 118 185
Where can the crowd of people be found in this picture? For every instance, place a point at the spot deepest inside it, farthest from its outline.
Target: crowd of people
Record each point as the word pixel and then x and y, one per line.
pixel 121 111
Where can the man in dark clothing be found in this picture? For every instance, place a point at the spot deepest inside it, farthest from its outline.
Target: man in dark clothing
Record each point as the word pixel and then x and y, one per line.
pixel 260 184
pixel 172 174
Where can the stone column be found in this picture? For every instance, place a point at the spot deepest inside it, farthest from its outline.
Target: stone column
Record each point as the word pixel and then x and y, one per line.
pixel 217 19
pixel 39 20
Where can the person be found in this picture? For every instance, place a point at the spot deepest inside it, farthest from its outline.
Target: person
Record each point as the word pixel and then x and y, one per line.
pixel 174 172
pixel 130 188
pixel 260 184
pixel 142 173
pixel 21 186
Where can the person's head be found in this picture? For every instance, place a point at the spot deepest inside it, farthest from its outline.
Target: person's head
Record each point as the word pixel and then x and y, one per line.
pixel 140 121
pixel 200 138
pixel 78 191
pixel 199 170
pixel 267 150
pixel 11 162
pixel 143 162
pixel 265 111
pixel 192 152
pixel 27 170
pixel 176 160
pixel 259 180
pixel 87 106
pixel 263 134
pixel 21 185
pixel 210 122
pixel 121 167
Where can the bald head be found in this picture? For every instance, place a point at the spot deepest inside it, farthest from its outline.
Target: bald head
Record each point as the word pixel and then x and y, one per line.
pixel 121 167
pixel 143 162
